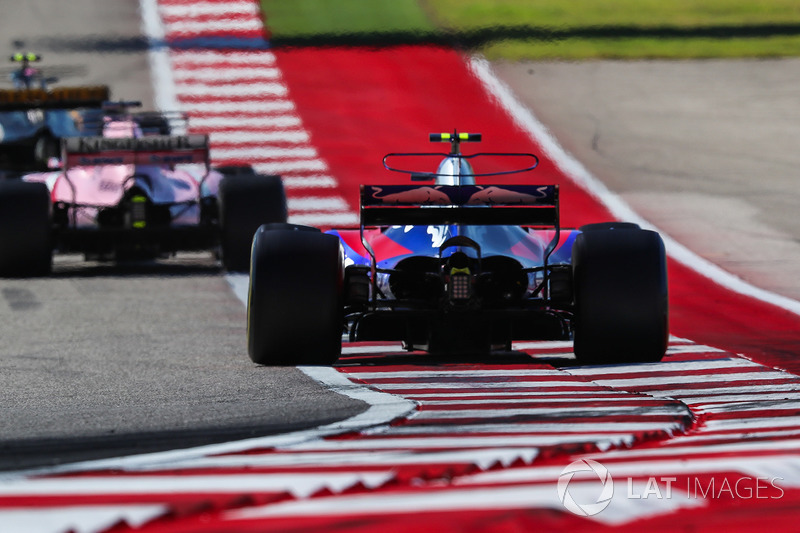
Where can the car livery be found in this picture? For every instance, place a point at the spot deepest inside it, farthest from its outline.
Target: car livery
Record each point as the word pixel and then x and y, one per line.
pixel 457 267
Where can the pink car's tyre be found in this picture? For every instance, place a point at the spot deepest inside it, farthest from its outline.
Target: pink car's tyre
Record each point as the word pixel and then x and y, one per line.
pixel 25 229
pixel 246 201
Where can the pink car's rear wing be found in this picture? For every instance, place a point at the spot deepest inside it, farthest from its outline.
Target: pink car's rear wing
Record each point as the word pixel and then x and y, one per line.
pixel 157 150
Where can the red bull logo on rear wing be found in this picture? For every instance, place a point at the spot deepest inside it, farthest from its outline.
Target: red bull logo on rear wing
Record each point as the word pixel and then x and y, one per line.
pixel 150 150
pixel 520 205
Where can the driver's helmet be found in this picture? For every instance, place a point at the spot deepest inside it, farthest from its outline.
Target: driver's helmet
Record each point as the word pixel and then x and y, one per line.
pixel 455 171
pixel 120 128
pixel 23 77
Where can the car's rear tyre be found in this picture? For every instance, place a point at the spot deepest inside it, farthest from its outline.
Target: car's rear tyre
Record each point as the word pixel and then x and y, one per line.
pixel 294 308
pixel 608 225
pixel 46 148
pixel 246 200
pixel 621 307
pixel 153 124
pixel 25 229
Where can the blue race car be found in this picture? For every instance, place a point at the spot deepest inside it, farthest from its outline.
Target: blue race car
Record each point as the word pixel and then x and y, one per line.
pixel 454 267
pixel 34 116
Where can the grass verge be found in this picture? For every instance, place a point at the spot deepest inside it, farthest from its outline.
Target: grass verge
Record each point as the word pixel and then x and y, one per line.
pixel 544 29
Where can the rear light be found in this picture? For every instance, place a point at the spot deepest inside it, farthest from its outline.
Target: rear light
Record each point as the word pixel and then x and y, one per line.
pixel 460 286
pixel 138 211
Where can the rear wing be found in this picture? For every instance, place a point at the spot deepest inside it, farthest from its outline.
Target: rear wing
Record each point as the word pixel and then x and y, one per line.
pixel 150 150
pixel 517 205
pixel 120 112
pixel 57 98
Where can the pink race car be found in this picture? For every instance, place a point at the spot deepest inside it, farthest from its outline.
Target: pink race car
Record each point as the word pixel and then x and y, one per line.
pixel 125 194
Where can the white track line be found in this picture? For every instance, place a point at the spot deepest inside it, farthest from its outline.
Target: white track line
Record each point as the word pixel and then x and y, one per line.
pixel 565 397
pixel 220 91
pixel 213 26
pixel 321 219
pixel 281 122
pixel 316 181
pixel 604 410
pixel 691 393
pixel 431 374
pixel 209 8
pixel 78 518
pixel 238 109
pixel 665 366
pixel 249 58
pixel 488 386
pixel 301 485
pixel 313 203
pixel 620 511
pixel 483 458
pixel 264 152
pixel 460 441
pixel 692 378
pixel 261 137
pixel 228 74
pixel 534 428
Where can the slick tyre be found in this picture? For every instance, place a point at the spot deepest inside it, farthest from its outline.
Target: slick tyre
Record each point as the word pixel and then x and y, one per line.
pixel 294 308
pixel 620 287
pixel 608 225
pixel 25 229
pixel 246 201
pixel 45 148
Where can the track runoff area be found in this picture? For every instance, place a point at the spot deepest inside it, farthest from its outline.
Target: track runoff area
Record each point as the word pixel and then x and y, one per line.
pixel 706 439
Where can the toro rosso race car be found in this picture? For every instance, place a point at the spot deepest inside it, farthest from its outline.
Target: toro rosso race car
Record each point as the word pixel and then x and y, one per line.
pixel 454 267
pixel 125 194
pixel 34 117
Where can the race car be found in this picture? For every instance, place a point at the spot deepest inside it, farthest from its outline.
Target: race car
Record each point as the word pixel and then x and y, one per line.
pixel 454 267
pixel 125 194
pixel 34 116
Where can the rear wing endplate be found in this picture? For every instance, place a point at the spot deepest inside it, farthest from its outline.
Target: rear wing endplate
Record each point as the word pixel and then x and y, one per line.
pixel 57 98
pixel 149 150
pixel 518 205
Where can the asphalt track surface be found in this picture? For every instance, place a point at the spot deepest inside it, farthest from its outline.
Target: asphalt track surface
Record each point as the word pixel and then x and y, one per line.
pixel 100 360
pixel 21 300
